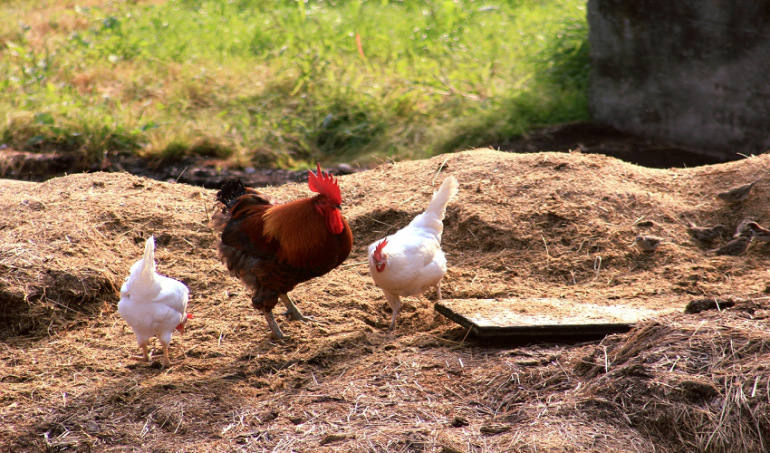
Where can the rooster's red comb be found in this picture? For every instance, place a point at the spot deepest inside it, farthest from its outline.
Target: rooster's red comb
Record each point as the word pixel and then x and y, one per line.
pixel 325 184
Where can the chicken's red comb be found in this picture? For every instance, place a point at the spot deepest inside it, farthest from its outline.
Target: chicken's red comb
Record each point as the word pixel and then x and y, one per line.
pixel 325 184
pixel 381 246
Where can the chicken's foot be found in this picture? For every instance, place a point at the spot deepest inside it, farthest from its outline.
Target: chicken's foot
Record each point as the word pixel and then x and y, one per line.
pixel 145 357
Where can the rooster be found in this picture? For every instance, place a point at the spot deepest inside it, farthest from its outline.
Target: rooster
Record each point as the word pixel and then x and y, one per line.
pixel 411 261
pixel 273 247
pixel 153 305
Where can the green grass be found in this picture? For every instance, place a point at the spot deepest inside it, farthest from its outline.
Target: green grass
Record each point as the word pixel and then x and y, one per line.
pixel 283 82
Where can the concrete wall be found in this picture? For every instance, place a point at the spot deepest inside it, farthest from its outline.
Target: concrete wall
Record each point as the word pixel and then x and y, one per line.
pixel 691 73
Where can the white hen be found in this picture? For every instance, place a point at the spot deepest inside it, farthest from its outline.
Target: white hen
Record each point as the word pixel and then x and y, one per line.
pixel 153 305
pixel 411 261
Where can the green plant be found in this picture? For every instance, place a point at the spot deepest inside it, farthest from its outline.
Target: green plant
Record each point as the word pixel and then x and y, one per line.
pixel 286 83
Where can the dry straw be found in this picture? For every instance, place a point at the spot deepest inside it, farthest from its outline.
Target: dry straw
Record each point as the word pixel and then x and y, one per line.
pixel 531 225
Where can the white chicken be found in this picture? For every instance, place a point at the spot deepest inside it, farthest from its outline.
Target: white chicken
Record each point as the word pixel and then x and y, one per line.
pixel 153 305
pixel 411 261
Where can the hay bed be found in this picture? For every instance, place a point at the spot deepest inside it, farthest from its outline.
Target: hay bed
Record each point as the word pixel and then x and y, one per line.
pixel 523 226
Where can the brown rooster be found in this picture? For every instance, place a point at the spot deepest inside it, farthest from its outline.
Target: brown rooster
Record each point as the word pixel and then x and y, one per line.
pixel 274 247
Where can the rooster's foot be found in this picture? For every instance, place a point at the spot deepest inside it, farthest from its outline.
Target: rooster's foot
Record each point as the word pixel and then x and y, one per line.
pixel 296 317
pixel 304 318
pixel 293 312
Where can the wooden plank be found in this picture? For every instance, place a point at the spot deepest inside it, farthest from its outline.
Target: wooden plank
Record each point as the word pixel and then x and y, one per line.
pixel 540 319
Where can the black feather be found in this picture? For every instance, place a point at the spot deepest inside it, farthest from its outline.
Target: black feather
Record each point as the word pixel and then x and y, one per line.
pixel 231 190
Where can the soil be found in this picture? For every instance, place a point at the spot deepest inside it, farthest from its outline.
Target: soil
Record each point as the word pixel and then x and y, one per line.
pixel 535 225
pixel 212 173
pixel 602 139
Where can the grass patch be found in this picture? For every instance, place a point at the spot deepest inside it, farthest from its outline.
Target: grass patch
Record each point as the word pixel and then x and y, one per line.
pixel 286 83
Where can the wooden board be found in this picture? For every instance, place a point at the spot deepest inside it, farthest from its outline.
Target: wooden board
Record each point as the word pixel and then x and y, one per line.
pixel 540 319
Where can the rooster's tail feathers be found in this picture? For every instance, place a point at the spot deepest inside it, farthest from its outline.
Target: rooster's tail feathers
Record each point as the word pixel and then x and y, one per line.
pixel 231 191
pixel 234 196
pixel 443 195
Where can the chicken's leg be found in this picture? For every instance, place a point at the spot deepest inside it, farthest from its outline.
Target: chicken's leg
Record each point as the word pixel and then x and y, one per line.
pixel 395 304
pixel 166 360
pixel 145 357
pixel 277 334
pixel 292 309
pixel 438 290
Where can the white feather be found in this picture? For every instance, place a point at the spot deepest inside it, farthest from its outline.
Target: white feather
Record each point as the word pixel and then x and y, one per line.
pixel 414 261
pixel 152 304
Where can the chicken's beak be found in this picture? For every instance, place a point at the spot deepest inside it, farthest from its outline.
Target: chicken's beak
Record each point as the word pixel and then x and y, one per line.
pixel 180 327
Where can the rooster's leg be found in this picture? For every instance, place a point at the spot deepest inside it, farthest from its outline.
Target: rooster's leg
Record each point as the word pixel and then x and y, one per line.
pixel 277 334
pixel 292 309
pixel 438 290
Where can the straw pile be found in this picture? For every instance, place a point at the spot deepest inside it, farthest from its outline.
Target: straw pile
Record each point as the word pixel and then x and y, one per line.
pixel 538 225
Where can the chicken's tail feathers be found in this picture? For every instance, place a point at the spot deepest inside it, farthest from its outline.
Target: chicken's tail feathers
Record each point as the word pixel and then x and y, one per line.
pixel 142 273
pixel 443 196
pixel 432 219
pixel 148 260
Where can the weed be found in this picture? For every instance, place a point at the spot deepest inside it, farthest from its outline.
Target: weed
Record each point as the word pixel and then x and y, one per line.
pixel 286 83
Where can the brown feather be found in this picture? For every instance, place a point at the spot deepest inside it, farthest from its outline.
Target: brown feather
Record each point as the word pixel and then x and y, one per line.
pixel 272 248
pixel 300 230
pixel 305 239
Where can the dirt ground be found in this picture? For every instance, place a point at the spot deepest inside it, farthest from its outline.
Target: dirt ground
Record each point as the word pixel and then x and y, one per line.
pixel 556 225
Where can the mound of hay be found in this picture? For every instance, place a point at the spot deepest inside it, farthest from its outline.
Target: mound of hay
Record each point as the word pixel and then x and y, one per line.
pixel 67 243
pixel 700 383
pixel 538 225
